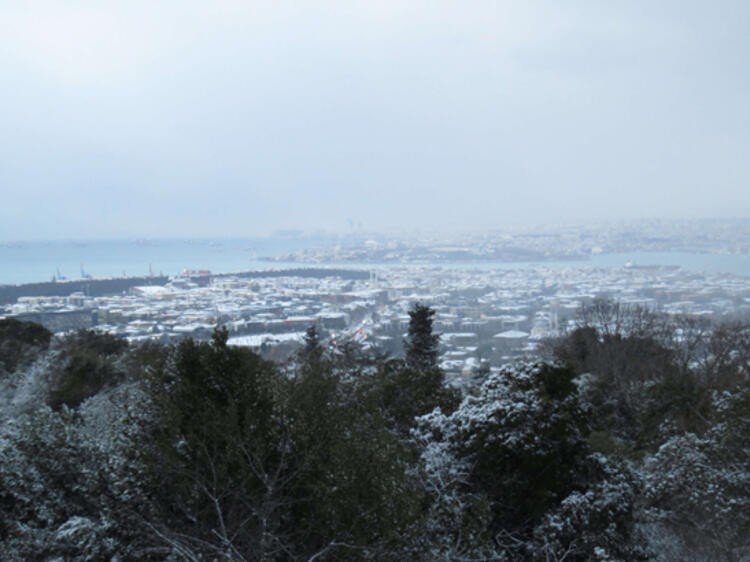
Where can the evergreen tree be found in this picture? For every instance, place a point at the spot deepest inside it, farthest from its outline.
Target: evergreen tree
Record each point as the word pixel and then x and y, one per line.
pixel 510 470
pixel 217 457
pixel 421 344
pixel 311 353
pixel 20 341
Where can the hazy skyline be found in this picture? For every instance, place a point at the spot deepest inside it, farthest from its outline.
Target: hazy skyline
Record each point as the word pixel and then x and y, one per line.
pixel 224 118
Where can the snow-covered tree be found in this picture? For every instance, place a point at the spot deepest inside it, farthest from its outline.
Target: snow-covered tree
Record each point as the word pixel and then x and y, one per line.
pixel 69 486
pixel 422 343
pixel 511 465
pixel 698 486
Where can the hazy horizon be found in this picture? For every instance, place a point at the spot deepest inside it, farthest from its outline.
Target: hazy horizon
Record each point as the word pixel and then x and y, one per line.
pixel 237 119
pixel 357 234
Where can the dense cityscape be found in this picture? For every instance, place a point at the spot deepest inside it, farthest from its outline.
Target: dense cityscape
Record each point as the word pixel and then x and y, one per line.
pixel 487 313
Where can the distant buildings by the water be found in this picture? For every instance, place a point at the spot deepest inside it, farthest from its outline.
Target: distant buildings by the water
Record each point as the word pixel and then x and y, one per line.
pixel 485 315
pixel 554 243
pixel 497 294
pixel 697 245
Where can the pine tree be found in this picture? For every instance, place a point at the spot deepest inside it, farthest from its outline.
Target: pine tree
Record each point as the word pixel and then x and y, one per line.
pixel 311 353
pixel 421 344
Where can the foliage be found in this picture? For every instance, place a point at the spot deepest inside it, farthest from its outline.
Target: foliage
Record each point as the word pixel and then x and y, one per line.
pixel 250 463
pixel 516 452
pixel 19 340
pixel 698 487
pixel 216 454
pixel 421 345
pixel 649 377
pixel 69 486
pixel 633 446
pixel 352 483
pixel 87 365
pixel 402 394
pixel 596 523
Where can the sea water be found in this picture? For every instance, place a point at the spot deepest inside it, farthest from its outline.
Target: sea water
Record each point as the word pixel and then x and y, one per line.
pixel 30 262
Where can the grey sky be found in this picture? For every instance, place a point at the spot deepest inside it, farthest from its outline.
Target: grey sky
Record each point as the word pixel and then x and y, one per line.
pixel 233 118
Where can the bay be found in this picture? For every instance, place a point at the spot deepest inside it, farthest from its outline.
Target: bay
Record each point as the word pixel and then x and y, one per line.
pixel 30 262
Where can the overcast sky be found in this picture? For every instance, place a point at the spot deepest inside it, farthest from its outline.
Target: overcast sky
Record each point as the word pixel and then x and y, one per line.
pixel 236 118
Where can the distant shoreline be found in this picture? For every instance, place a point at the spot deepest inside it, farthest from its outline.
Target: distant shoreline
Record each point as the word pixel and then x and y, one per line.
pixel 101 287
pixel 89 287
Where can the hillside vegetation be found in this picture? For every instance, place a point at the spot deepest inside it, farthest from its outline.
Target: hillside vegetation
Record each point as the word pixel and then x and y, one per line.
pixel 629 439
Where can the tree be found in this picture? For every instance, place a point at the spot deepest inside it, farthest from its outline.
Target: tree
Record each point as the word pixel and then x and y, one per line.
pixel 403 393
pixel 250 463
pixel 70 485
pixel 352 489
pixel 511 468
pixel 20 340
pixel 421 344
pixel 624 351
pixel 87 365
pixel 217 458
pixel 311 354
pixel 698 486
pixel 405 389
